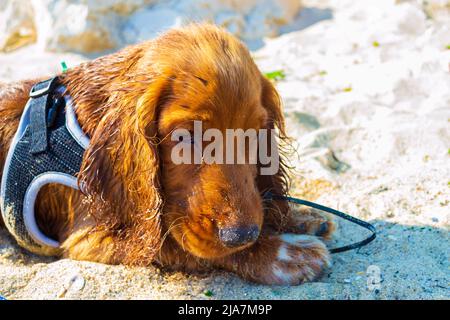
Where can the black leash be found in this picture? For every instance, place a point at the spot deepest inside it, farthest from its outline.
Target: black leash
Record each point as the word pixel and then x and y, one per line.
pixel 364 224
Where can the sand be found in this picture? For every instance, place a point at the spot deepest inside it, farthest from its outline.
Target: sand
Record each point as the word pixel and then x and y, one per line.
pixel 367 100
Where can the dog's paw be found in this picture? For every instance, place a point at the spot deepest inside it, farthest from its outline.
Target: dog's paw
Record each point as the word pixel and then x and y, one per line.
pixel 297 259
pixel 311 221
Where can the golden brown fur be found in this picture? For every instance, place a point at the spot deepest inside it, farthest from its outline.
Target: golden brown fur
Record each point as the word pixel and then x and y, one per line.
pixel 139 207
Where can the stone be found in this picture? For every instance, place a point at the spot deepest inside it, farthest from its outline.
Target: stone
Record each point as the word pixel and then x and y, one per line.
pixel 17 27
pixel 147 24
pixel 82 26
pixel 96 27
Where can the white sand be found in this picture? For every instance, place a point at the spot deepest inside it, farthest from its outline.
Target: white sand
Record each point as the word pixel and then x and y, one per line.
pixel 371 87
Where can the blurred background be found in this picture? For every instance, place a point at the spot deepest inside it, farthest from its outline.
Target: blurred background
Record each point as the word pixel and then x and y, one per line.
pixel 366 92
pixel 93 26
pixel 97 26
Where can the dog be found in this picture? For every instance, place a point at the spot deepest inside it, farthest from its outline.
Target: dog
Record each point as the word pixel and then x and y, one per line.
pixel 137 206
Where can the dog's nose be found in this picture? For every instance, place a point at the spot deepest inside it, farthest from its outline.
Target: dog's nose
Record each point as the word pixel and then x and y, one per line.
pixel 238 236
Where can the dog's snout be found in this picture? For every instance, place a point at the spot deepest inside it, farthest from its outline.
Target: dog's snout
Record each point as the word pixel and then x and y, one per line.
pixel 238 236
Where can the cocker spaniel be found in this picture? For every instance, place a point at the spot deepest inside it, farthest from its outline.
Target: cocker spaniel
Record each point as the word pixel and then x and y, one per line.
pixel 137 206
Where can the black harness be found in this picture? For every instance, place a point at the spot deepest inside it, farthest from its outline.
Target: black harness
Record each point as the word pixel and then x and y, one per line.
pixel 47 148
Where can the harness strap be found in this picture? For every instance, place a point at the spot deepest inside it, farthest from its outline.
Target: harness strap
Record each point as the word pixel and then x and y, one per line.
pixel 40 99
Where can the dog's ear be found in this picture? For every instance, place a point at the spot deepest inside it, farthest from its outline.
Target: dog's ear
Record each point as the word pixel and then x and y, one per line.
pixel 277 183
pixel 120 170
pixel 272 103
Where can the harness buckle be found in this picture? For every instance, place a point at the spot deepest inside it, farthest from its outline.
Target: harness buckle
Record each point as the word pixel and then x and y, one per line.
pixel 53 109
pixel 43 87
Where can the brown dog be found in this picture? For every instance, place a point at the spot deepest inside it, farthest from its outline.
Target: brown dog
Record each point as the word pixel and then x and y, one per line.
pixel 138 207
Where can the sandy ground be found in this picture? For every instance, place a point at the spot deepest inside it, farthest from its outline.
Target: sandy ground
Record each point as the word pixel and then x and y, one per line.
pixel 367 99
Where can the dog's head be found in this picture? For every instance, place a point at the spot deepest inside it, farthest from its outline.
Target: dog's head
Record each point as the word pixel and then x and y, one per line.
pixel 195 74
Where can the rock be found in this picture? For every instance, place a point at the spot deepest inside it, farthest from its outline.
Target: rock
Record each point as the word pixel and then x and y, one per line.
pixel 248 19
pixel 147 24
pixel 17 27
pixel 231 21
pixel 82 26
pixel 89 26
pixel 74 283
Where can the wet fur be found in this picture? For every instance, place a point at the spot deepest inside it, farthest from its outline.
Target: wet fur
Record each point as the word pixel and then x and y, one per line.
pixel 139 208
